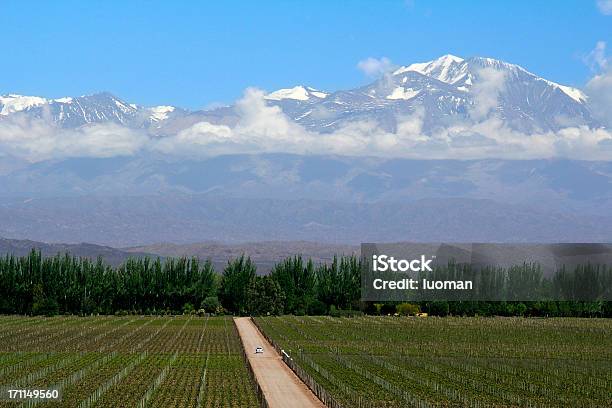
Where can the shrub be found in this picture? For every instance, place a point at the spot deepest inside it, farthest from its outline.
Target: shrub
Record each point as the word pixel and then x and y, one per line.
pixel 438 308
pixel 378 307
pixel 520 309
pixel 317 308
pixel 407 309
pixel 211 304
pixel 188 308
pixel 47 307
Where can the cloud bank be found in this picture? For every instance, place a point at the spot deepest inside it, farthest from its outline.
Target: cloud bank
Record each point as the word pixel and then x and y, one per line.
pixel 36 139
pixel 266 129
pixel 262 128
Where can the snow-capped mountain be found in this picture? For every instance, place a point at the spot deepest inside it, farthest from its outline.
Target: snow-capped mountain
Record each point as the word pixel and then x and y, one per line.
pixel 447 91
pixel 455 70
pixel 71 112
pixel 298 93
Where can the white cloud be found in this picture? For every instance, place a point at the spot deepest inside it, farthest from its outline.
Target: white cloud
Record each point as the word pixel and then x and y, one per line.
pixel 605 7
pixel 597 59
pixel 375 67
pixel 599 88
pixel 36 139
pixel 486 92
pixel 266 129
pixel 261 128
pixel 599 91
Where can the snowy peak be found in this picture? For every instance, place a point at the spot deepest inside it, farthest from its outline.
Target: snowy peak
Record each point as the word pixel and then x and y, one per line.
pixel 298 93
pixel 12 103
pixel 448 68
pixel 462 72
pixel 498 65
pixel 108 100
pixel 160 113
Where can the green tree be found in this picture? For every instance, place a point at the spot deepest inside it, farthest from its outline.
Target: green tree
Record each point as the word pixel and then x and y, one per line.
pixel 298 282
pixel 42 304
pixel 339 283
pixel 237 278
pixel 265 297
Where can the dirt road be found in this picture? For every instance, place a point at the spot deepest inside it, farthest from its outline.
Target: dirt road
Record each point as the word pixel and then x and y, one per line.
pixel 281 387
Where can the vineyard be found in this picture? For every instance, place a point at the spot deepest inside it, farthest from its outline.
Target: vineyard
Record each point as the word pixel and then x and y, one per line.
pixel 451 362
pixel 359 362
pixel 131 361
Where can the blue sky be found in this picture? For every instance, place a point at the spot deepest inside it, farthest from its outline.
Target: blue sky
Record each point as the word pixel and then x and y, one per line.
pixel 194 54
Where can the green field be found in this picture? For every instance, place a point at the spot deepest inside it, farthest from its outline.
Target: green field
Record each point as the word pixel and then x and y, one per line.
pixel 477 362
pixel 127 361
pixel 189 361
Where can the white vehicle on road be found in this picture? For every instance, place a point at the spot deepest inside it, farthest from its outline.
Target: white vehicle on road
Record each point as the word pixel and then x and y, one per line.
pixel 258 350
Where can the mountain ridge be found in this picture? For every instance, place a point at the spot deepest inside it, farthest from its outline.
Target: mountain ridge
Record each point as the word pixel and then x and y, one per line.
pixel 265 254
pixel 446 88
pixel 125 221
pixel 113 256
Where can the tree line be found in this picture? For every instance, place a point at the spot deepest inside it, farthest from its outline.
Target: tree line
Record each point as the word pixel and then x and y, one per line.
pixel 63 284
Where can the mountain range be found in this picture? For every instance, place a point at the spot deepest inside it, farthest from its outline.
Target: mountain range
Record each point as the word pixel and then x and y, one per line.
pixel 147 197
pixel 444 89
